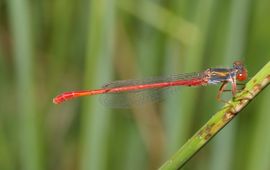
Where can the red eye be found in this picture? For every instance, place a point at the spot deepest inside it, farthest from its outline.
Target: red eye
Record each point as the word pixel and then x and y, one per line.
pixel 241 76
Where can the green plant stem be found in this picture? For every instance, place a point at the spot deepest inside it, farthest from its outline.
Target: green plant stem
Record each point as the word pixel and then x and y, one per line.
pixel 23 48
pixel 219 120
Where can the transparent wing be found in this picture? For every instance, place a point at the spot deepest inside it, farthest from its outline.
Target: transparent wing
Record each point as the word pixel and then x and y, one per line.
pixel 140 97
pixel 174 77
pixel 136 98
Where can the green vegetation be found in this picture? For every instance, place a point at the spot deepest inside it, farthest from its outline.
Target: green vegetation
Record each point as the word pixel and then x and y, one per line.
pixel 48 47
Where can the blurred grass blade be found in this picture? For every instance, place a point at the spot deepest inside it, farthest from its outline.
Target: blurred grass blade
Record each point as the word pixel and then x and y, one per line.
pixel 220 119
pixel 95 119
pixel 193 61
pixel 19 12
pixel 162 19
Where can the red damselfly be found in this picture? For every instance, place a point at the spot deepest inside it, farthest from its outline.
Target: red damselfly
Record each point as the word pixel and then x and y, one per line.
pixel 128 92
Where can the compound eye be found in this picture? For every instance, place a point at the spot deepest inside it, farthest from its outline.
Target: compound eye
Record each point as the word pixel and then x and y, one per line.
pixel 241 76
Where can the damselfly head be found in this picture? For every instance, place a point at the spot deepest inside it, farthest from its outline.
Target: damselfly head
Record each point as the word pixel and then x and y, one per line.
pixel 241 71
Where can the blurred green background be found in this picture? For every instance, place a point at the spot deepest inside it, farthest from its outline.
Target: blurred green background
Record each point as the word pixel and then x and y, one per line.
pixel 51 46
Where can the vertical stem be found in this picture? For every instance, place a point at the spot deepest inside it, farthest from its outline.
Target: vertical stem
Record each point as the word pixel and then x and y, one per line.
pixel 19 12
pixel 95 119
